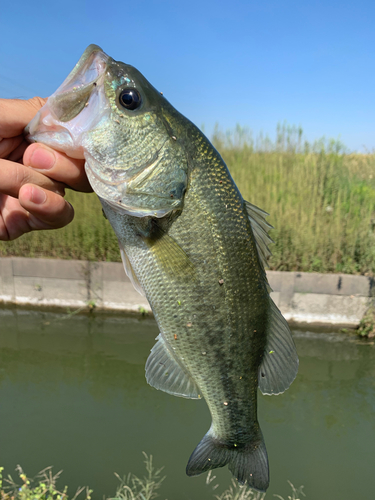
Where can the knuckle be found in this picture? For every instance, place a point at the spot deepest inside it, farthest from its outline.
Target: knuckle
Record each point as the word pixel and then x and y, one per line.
pixel 21 174
pixel 37 102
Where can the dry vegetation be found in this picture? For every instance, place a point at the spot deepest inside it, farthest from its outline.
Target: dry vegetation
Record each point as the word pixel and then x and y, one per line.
pixel 321 202
pixel 131 487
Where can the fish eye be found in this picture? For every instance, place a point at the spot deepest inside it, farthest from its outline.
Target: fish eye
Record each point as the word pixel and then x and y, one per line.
pixel 130 99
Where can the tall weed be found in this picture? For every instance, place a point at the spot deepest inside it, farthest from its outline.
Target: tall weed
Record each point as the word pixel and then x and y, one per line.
pixel 321 201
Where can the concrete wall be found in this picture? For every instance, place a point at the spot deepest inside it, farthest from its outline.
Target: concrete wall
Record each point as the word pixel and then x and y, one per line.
pixel 312 298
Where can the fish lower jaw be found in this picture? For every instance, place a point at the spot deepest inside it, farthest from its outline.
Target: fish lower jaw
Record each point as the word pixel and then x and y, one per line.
pixel 44 129
pixel 60 140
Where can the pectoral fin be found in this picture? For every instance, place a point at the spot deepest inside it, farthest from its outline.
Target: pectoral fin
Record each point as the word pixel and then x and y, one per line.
pixel 170 256
pixel 165 373
pixel 280 363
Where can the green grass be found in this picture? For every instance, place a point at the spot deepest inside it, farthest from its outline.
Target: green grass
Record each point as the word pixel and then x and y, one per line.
pixel 42 487
pixel 88 237
pixel 366 328
pixel 321 202
pixel 131 487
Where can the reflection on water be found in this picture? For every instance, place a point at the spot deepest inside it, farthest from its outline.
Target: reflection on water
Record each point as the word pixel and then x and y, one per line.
pixel 73 395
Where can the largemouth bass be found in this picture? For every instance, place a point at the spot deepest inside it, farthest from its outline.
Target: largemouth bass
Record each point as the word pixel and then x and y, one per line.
pixel 189 243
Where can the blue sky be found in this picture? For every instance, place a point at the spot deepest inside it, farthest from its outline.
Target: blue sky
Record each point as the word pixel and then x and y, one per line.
pixel 255 63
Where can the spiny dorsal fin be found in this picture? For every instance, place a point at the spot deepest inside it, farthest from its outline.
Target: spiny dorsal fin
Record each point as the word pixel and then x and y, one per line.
pixel 164 372
pixel 260 228
pixel 280 362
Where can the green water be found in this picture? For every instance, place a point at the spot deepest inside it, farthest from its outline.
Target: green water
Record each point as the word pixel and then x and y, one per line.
pixel 73 395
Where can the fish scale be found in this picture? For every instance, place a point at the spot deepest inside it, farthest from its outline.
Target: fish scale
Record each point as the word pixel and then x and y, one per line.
pixel 190 244
pixel 232 327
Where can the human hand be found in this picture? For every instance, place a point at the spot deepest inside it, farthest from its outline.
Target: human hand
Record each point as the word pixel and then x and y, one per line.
pixel 32 198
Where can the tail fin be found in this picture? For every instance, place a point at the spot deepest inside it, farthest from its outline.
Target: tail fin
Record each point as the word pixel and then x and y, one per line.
pixel 247 462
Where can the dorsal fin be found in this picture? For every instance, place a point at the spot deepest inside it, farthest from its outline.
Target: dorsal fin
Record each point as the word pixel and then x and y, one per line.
pixel 280 363
pixel 279 366
pixel 260 227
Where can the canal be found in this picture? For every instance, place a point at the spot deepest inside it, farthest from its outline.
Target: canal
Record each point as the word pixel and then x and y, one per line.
pixel 73 395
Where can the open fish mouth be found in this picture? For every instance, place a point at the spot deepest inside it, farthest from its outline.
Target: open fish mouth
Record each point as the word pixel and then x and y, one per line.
pixel 76 106
pixel 90 66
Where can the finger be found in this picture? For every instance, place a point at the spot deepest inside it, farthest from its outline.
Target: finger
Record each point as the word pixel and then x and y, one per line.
pixel 17 154
pixel 14 175
pixel 12 217
pixel 16 114
pixel 58 166
pixel 47 210
pixel 9 145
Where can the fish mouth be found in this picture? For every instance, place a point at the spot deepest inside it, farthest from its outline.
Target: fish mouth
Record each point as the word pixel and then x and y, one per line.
pixel 90 66
pixel 76 106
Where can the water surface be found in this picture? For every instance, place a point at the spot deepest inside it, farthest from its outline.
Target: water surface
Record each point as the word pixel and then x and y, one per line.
pixel 73 395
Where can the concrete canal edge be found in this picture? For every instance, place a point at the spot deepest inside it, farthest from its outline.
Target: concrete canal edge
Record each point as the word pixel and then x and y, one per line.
pixel 303 298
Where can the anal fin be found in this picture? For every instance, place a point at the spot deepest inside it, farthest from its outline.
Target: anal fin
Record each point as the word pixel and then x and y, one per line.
pixel 165 373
